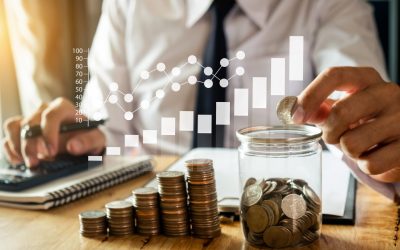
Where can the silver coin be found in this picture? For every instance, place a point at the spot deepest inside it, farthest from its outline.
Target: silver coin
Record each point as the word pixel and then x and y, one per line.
pixel 145 191
pixel 285 108
pixel 93 214
pixel 294 206
pixel 309 193
pixel 170 174
pixel 252 195
pixel 119 204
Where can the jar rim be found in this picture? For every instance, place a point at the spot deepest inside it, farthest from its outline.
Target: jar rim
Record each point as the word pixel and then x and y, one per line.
pixel 282 134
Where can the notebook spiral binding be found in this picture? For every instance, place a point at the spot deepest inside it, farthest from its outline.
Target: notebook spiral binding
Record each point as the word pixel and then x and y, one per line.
pixel 94 185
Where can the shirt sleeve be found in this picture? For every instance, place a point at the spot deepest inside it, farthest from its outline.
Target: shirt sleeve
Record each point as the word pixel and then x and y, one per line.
pixel 107 65
pixel 347 37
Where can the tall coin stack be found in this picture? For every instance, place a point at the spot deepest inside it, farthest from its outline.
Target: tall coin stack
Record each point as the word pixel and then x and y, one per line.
pixel 93 223
pixel 120 217
pixel 147 211
pixel 173 203
pixel 203 198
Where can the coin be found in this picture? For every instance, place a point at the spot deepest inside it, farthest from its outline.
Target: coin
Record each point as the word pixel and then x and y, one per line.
pixel 147 214
pixel 93 223
pixel 285 108
pixel 293 206
pixel 252 195
pixel 290 208
pixel 120 217
pixel 257 219
pixel 277 237
pixel 203 203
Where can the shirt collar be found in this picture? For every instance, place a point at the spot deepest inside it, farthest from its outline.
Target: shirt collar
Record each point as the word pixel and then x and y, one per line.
pixel 256 10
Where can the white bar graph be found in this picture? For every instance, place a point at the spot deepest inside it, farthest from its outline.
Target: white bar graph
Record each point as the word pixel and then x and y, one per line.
pixel 204 125
pixel 277 76
pixel 113 151
pixel 259 92
pixel 296 44
pixel 167 125
pixel 95 158
pixel 223 111
pixel 149 136
pixel 241 103
pixel 186 120
pixel 131 141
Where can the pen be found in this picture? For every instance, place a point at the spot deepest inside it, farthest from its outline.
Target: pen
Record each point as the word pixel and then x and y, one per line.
pixel 28 132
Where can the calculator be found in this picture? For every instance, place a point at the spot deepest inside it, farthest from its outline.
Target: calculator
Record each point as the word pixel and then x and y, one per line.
pixel 20 177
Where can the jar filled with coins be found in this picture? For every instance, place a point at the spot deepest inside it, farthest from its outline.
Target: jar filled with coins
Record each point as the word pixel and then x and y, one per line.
pixel 280 179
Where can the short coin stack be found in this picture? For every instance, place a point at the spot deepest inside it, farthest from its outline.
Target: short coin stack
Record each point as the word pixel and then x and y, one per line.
pixel 280 212
pixel 120 217
pixel 93 223
pixel 173 203
pixel 203 198
pixel 147 211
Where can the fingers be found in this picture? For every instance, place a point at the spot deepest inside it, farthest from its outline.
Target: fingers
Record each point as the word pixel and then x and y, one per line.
pixel 359 140
pixel 12 128
pixel 10 155
pixel 353 108
pixel 389 176
pixel 60 110
pixel 350 79
pixel 381 159
pixel 90 142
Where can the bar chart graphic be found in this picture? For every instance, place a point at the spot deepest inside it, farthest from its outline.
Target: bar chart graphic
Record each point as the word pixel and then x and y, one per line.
pixel 184 120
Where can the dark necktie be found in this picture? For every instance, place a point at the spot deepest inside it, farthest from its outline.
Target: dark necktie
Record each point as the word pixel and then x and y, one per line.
pixel 215 50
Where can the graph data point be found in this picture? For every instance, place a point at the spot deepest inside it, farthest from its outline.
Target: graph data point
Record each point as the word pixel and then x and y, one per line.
pixel 240 55
pixel 145 74
pixel 113 99
pixel 224 62
pixel 176 71
pixel 160 94
pixel 113 86
pixel 128 116
pixel 145 104
pixel 160 67
pixel 192 59
pixel 223 83
pixel 208 83
pixel 192 80
pixel 128 97
pixel 239 71
pixel 175 87
pixel 208 71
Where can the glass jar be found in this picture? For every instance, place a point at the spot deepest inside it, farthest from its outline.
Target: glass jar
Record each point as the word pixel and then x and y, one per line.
pixel 280 179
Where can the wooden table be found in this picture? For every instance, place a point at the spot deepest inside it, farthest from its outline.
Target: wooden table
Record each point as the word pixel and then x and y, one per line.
pixel 59 227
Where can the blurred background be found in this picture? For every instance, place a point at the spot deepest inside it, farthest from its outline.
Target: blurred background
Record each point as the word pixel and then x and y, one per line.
pixel 37 38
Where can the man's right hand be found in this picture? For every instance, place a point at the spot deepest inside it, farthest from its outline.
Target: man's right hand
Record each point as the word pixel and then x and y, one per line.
pixel 50 143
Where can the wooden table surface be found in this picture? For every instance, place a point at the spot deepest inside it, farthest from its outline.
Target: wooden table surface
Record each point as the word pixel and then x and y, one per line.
pixel 58 228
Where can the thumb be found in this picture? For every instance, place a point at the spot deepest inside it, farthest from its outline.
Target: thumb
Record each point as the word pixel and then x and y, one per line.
pixel 318 117
pixel 90 142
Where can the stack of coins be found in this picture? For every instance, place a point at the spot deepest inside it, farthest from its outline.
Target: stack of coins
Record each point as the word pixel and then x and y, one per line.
pixel 280 212
pixel 147 211
pixel 203 198
pixel 173 203
pixel 93 223
pixel 120 217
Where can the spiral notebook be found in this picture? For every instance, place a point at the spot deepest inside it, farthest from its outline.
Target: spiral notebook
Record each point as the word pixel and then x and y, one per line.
pixel 113 170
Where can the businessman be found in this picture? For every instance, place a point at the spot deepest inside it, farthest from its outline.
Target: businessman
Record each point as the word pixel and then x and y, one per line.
pixel 341 48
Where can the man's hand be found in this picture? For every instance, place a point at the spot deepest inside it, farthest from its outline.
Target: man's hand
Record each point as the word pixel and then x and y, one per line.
pixel 49 117
pixel 365 123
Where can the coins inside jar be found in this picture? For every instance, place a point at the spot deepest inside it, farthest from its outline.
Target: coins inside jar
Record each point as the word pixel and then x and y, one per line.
pixel 173 203
pixel 280 212
pixel 93 223
pixel 203 198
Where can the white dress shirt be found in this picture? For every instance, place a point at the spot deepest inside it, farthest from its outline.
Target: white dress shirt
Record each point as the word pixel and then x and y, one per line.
pixel 135 35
